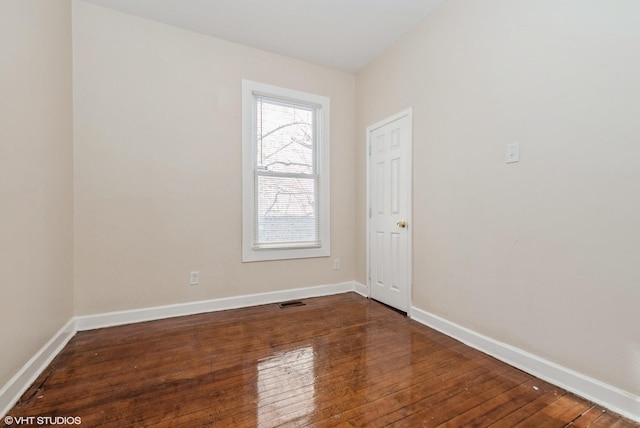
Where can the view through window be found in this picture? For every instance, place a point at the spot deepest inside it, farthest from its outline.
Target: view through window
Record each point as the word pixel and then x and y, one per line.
pixel 286 174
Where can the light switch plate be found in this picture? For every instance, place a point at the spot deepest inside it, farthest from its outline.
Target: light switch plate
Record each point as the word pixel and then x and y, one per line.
pixel 194 278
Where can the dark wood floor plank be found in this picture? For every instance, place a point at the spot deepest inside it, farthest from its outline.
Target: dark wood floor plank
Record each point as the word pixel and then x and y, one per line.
pixel 494 408
pixel 560 412
pixel 427 396
pixel 587 417
pixel 433 371
pixel 338 361
pixel 548 396
pixel 459 399
pixel 609 420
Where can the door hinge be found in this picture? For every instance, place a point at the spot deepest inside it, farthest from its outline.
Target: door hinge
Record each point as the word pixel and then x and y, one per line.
pixel 369 149
pixel 370 213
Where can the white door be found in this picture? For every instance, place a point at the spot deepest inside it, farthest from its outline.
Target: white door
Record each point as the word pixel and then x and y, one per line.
pixel 389 240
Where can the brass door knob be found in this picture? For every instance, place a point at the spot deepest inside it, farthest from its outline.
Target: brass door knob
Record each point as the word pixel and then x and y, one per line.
pixel 402 224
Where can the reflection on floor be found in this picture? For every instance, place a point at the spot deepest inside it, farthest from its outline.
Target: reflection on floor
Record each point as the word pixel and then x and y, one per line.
pixel 337 361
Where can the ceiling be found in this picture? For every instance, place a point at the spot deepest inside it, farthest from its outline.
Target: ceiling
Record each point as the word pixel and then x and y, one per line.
pixel 342 34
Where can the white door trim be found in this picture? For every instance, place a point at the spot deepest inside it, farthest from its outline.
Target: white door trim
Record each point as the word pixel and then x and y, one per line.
pixel 409 114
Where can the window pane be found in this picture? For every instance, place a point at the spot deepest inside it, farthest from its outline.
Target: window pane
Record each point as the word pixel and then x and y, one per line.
pixel 286 210
pixel 285 137
pixel 285 173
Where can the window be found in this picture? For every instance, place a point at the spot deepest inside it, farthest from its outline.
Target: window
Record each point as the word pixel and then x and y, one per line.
pixel 285 184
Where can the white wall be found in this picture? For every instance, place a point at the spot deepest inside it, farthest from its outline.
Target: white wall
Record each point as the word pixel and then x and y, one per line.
pixel 36 187
pixel 158 164
pixel 543 254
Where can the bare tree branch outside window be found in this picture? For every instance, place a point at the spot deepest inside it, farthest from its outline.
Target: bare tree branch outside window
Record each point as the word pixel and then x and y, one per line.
pixel 286 173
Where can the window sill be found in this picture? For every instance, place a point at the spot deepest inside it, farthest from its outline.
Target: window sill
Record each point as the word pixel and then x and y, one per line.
pixel 284 254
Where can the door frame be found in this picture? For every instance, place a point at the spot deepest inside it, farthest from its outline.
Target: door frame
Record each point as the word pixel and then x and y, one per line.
pixel 409 114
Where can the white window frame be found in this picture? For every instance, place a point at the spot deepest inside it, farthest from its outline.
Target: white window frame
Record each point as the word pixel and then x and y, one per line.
pixel 250 89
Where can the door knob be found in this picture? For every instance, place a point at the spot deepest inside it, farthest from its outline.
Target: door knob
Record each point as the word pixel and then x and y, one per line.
pixel 402 224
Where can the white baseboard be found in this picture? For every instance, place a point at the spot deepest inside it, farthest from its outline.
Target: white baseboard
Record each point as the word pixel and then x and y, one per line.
pixel 361 289
pixel 613 398
pixel 110 319
pixel 18 384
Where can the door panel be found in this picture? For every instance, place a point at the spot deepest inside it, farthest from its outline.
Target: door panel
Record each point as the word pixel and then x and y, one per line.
pixel 390 203
pixel 380 250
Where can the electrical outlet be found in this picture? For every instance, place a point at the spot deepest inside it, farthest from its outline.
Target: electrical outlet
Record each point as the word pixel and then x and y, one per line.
pixel 194 277
pixel 513 153
pixel 336 264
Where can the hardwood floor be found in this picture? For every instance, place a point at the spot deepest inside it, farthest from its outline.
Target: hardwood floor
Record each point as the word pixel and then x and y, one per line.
pixel 338 361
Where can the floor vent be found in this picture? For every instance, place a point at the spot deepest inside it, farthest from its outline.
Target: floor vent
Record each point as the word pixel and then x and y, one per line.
pixel 291 304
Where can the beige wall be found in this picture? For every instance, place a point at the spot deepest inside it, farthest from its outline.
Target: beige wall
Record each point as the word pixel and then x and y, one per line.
pixel 542 254
pixel 158 164
pixel 36 188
